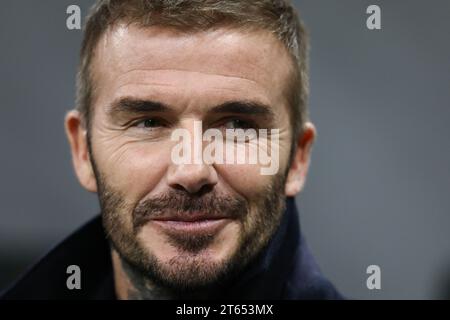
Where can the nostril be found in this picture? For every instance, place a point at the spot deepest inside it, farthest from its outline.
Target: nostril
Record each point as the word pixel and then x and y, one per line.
pixel 192 179
pixel 178 187
pixel 204 189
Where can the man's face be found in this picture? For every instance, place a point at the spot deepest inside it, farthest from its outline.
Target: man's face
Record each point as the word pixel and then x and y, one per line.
pixel 186 225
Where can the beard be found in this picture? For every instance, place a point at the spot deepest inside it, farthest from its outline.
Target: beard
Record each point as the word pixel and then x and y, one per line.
pixel 189 271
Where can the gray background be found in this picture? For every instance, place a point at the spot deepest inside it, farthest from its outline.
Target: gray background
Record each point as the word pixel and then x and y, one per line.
pixel 378 190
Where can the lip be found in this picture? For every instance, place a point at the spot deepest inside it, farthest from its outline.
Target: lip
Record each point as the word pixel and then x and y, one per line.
pixel 197 226
pixel 190 217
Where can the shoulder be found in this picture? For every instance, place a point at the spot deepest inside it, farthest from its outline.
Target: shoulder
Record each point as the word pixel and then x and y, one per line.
pixel 87 248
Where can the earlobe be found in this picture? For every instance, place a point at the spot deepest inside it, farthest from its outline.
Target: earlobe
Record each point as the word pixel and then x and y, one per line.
pixel 300 163
pixel 76 134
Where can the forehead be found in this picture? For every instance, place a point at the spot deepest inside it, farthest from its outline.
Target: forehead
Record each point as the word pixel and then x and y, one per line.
pixel 238 61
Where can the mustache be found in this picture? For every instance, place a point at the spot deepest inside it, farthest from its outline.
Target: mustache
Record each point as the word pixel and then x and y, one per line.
pixel 176 203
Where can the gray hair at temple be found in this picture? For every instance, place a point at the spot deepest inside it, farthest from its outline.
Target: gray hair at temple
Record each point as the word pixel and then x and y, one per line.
pixel 276 16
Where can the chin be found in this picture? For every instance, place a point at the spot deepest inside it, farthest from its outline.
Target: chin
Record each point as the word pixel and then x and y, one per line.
pixel 187 271
pixel 176 267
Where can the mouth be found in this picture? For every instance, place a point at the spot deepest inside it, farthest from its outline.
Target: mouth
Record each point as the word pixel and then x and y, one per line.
pixel 194 224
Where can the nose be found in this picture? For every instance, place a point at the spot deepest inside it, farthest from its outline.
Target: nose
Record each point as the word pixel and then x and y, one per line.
pixel 192 178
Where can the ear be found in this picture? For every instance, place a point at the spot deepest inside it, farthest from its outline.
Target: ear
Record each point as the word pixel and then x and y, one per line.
pixel 300 162
pixel 77 136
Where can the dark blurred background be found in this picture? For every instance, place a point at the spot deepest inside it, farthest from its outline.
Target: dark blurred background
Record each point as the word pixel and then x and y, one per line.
pixel 378 190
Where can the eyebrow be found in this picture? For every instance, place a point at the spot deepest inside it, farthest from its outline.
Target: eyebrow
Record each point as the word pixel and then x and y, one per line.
pixel 244 107
pixel 131 105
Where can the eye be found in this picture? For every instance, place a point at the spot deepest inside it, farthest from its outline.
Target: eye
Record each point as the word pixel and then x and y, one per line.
pixel 149 123
pixel 238 124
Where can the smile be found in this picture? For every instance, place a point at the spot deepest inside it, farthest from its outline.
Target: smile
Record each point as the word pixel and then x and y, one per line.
pixel 194 227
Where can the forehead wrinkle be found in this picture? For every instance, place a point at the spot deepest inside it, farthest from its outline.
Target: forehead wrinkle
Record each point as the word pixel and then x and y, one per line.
pixel 212 88
pixel 187 70
pixel 239 53
pixel 145 84
pixel 258 88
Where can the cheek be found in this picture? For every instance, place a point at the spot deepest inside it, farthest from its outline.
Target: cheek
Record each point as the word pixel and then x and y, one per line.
pixel 251 180
pixel 136 168
pixel 245 180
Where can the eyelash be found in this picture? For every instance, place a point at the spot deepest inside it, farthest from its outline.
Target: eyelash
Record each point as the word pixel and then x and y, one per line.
pixel 136 123
pixel 248 124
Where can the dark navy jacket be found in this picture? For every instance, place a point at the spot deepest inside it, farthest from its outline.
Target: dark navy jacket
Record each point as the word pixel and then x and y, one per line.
pixel 284 270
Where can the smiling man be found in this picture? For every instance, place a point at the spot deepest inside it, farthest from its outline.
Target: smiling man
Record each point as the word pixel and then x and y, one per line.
pixel 194 229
